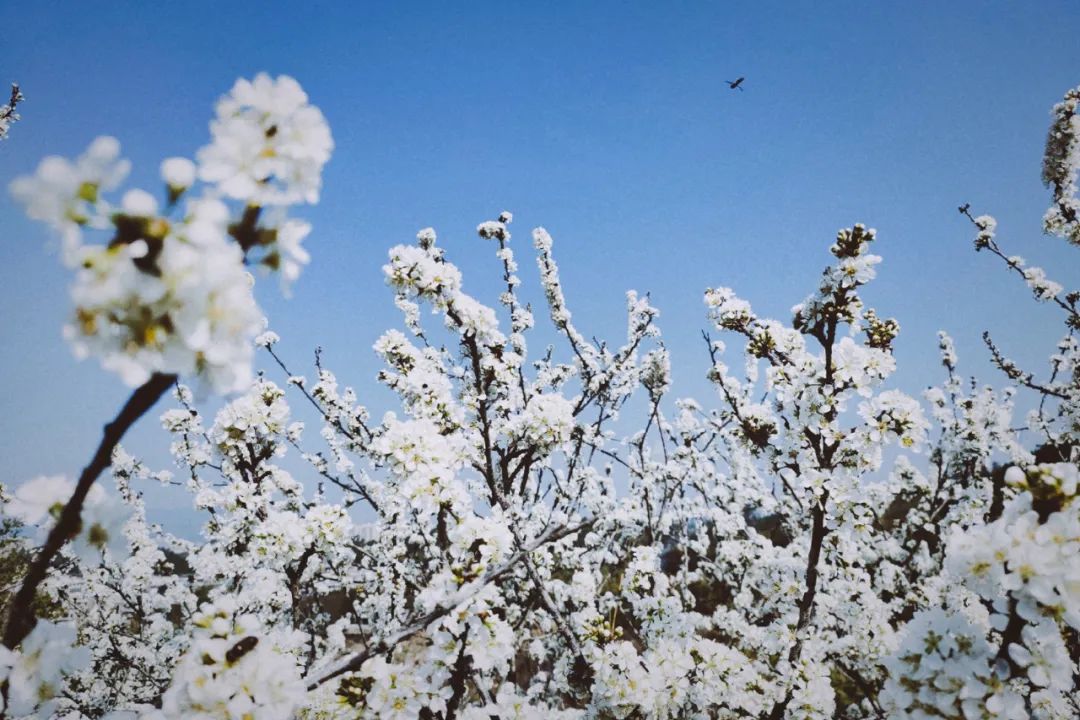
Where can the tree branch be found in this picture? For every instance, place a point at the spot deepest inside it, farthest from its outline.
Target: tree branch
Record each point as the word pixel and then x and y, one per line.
pixel 388 642
pixel 21 620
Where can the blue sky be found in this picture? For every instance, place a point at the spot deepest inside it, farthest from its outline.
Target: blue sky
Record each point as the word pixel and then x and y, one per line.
pixel 607 123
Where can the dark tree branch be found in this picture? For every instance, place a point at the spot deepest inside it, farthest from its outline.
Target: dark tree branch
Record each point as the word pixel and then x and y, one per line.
pixel 21 620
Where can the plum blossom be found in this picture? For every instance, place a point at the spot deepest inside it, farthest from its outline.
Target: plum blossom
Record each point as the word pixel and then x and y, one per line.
pixel 1061 165
pixel 169 293
pixel 269 144
pixel 65 194
pixel 232 671
pixel 48 653
pixel 933 670
pixel 178 173
pixel 8 115
pixel 185 308
pixel 545 422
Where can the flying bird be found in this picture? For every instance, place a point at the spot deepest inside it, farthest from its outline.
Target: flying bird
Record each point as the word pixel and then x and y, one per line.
pixel 733 84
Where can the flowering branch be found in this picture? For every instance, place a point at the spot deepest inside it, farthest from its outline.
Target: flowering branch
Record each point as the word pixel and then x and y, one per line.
pixel 384 644
pixel 8 116
pixel 21 620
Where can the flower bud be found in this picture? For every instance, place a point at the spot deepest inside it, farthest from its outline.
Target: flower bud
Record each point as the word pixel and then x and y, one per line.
pixel 139 203
pixel 178 173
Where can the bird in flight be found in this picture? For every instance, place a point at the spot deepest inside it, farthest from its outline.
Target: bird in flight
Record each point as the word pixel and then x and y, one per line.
pixel 733 84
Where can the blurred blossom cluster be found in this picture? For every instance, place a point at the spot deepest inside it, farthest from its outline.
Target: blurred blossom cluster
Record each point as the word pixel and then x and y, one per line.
pixel 167 290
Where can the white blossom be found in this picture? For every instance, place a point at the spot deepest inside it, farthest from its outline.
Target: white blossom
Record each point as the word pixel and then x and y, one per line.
pixel 269 144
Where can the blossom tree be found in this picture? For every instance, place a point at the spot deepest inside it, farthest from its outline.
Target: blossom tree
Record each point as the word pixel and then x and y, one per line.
pixel 555 536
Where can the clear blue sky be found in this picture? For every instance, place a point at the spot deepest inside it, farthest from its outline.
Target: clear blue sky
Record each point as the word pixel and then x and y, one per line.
pixel 608 123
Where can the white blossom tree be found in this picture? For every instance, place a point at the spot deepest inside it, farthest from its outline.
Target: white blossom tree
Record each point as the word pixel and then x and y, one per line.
pixel 555 536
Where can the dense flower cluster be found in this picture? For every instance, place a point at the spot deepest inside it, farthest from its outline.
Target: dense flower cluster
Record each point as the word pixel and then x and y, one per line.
pixel 168 292
pixel 1061 165
pixel 231 672
pixel 552 536
pixel 1022 568
pixel 269 144
pixel 941 669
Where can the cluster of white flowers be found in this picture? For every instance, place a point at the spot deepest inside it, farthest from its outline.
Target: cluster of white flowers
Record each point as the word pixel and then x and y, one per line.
pixel 987 226
pixel 726 309
pixel 1023 567
pixel 232 671
pixel 65 194
pixel 1061 165
pixel 892 415
pixel 941 669
pixel 1044 288
pixel 168 291
pixel 544 423
pixel 656 373
pixel 1030 551
pixel 8 115
pixel 191 312
pixel 416 270
pixel 269 144
pixel 248 424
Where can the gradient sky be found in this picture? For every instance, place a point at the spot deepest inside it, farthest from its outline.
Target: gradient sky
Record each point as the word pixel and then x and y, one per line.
pixel 607 123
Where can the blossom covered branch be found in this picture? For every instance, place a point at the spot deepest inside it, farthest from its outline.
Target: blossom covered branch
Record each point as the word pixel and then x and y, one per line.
pixel 553 535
